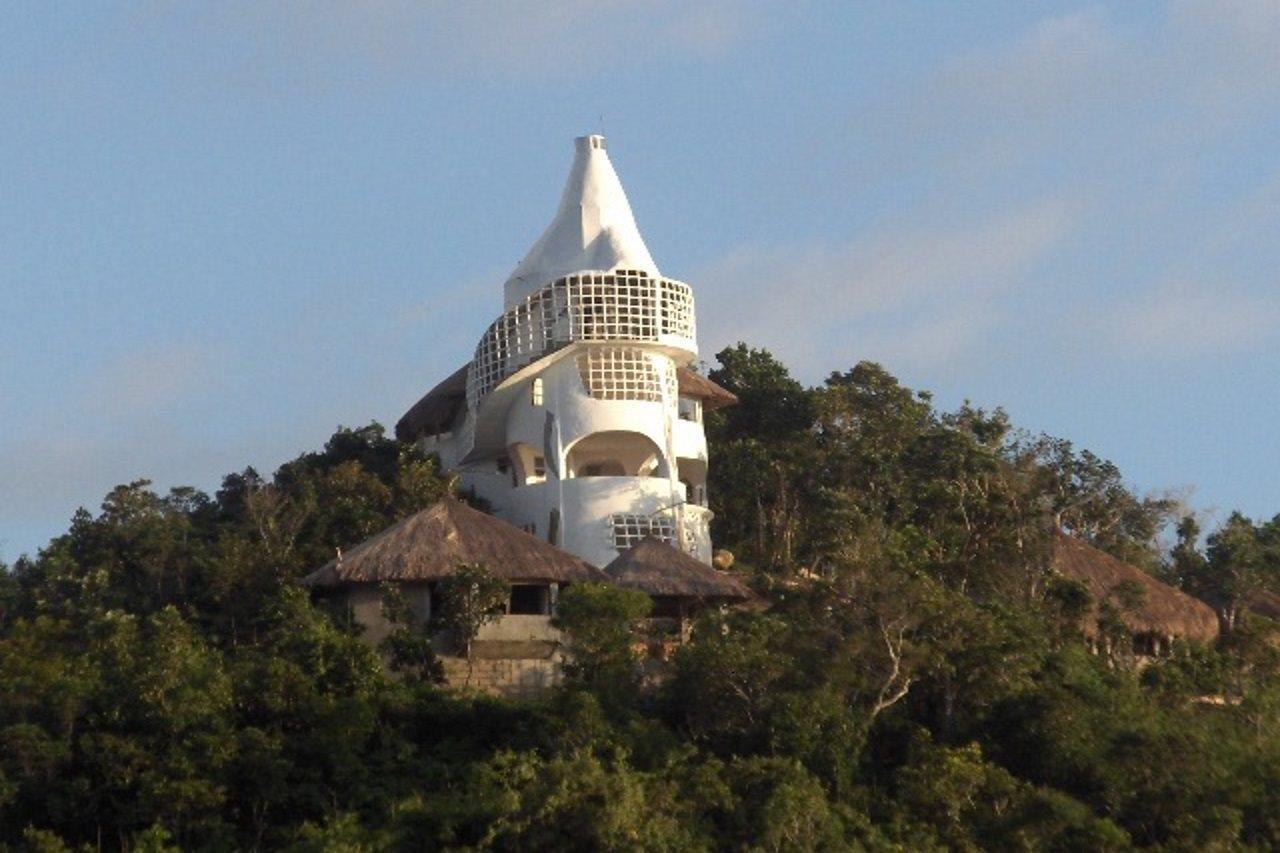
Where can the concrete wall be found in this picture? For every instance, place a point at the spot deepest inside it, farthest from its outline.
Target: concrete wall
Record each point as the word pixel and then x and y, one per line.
pixel 510 679
pixel 366 608
pixel 516 656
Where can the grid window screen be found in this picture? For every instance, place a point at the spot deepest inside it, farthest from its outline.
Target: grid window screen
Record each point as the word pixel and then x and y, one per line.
pixel 618 373
pixel 630 529
pixel 625 305
pixel 677 308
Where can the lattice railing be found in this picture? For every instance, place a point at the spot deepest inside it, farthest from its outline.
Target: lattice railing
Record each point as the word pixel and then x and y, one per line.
pixel 628 529
pixel 625 305
pixel 627 373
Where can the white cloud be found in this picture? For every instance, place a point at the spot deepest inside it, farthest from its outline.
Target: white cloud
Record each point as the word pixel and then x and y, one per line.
pixel 1204 319
pixel 1231 49
pixel 1064 64
pixel 1085 91
pixel 940 343
pixel 1218 294
pixel 1082 104
pixel 263 47
pixel 915 297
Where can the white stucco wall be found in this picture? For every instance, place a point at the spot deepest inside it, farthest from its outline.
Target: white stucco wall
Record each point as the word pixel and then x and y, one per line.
pixel 587 504
pixel 587 287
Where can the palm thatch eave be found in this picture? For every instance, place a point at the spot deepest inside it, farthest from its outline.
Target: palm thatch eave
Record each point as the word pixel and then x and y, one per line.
pixel 432 543
pixel 1163 610
pixel 660 570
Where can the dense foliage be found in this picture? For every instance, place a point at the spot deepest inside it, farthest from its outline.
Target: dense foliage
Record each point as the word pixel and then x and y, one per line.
pixel 916 683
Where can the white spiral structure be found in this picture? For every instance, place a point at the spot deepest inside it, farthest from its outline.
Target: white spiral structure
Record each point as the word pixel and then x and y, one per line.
pixel 574 426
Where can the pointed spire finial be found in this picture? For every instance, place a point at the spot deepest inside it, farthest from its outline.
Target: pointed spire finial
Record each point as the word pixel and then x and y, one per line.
pixel 593 229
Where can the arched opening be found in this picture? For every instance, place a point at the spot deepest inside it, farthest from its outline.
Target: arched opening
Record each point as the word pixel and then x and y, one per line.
pixel 616 453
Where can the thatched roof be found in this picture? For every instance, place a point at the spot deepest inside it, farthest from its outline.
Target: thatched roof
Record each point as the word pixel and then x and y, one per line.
pixel 1164 611
pixel 1264 603
pixel 430 544
pixel 1260 603
pixel 654 567
pixel 713 397
pixel 436 410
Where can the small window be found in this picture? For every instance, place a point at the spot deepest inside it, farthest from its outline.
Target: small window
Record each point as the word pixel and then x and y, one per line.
pixel 530 600
pixel 690 409
pixel 504 464
pixel 531 528
pixel 695 494
pixel 535 391
pixel 539 466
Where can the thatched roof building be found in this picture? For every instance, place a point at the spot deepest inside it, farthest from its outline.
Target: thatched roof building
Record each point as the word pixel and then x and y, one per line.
pixel 1164 612
pixel 437 409
pixel 654 567
pixel 430 544
pixel 699 387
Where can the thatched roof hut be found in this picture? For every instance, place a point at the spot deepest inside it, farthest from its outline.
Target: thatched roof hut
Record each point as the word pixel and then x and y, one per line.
pixel 654 567
pixel 437 409
pixel 696 385
pixel 1163 612
pixel 430 544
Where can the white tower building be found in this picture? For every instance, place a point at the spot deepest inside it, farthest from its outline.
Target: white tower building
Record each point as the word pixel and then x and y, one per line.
pixel 578 418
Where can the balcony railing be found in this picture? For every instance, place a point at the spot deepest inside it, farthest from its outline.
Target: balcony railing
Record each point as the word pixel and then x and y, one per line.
pixel 625 305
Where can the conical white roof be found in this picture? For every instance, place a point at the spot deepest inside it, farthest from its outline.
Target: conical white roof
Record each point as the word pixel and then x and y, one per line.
pixel 593 229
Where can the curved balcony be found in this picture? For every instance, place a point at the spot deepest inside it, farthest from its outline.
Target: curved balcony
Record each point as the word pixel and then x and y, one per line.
pixel 594 497
pixel 624 305
pixel 599 504
pixel 697 531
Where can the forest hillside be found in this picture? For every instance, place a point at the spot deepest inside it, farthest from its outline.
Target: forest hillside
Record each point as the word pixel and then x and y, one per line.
pixel 916 677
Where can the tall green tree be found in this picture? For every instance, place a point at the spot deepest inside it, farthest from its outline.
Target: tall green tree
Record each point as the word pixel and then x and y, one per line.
pixel 1243 559
pixel 600 621
pixel 469 599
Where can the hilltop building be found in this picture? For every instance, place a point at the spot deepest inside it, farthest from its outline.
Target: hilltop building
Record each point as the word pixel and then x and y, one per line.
pixel 579 423
pixel 518 654
pixel 578 419
pixel 1158 615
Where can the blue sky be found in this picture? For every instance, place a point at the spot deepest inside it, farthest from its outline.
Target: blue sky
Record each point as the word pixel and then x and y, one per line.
pixel 228 228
